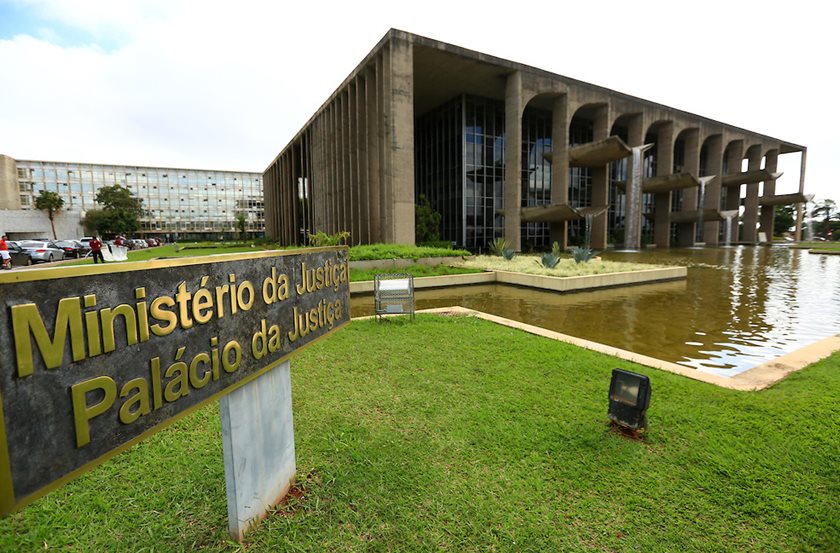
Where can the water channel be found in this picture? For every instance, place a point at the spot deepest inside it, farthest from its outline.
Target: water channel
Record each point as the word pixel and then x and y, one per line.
pixel 738 308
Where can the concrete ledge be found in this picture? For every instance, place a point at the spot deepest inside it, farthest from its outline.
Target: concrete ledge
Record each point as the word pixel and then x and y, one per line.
pixel 557 284
pixel 589 282
pixel 399 263
pixel 824 252
pixel 366 286
pixel 757 378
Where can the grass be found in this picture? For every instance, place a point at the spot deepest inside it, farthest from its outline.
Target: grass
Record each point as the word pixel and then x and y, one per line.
pixel 566 268
pixel 372 251
pixel 454 434
pixel 357 275
pixel 183 250
pixel 826 246
pixel 400 251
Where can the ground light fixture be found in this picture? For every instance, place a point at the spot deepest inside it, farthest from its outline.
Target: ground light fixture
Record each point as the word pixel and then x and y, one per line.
pixel 629 399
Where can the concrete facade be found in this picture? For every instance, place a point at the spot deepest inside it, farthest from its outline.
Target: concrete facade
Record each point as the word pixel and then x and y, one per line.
pixel 355 165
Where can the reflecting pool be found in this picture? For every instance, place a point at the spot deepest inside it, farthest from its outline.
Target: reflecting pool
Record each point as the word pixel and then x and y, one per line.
pixel 738 308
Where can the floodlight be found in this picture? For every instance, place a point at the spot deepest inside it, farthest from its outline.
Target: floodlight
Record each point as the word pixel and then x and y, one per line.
pixel 629 399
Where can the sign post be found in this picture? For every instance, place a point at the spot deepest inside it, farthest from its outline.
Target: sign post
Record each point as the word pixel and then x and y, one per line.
pixel 95 358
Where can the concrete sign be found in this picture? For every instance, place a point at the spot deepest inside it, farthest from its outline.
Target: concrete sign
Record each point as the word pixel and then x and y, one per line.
pixel 94 358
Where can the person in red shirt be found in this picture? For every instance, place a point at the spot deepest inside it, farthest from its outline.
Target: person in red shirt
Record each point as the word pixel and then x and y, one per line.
pixel 96 250
pixel 4 253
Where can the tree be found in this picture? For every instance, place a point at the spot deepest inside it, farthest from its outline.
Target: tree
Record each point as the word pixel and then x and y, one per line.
pixel 52 203
pixel 241 224
pixel 828 210
pixel 784 219
pixel 120 211
pixel 426 222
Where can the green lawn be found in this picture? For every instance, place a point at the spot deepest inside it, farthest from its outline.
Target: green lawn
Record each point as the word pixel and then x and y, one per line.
pixel 824 246
pixel 184 250
pixel 372 251
pixel 454 434
pixel 400 251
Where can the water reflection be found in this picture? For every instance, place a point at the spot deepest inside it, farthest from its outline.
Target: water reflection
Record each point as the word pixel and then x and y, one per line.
pixel 738 307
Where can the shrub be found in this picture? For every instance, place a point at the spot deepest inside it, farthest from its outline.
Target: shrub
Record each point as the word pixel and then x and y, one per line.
pixel 426 221
pixel 582 254
pixel 321 238
pixel 508 253
pixel 498 247
pixel 548 260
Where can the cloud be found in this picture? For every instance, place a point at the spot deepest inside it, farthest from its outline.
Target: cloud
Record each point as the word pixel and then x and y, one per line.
pixel 227 85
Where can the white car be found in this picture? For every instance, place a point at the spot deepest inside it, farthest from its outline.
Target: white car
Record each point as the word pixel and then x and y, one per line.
pixel 42 251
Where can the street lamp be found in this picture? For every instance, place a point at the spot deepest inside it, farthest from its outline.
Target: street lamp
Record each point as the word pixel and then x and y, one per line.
pixel 629 399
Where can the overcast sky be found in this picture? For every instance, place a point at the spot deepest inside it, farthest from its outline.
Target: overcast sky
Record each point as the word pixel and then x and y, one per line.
pixel 225 85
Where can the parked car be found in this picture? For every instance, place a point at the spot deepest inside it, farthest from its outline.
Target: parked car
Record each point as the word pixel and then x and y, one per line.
pixel 138 243
pixel 151 242
pixel 72 248
pixel 42 251
pixel 20 257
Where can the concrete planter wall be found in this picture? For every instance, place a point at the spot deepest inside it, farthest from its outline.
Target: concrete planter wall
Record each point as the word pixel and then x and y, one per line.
pixel 557 284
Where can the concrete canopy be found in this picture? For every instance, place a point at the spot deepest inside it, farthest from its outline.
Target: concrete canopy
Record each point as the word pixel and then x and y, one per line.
pixel 596 154
pixel 749 177
pixel 783 199
pixel 695 216
pixel 666 183
pixel 556 213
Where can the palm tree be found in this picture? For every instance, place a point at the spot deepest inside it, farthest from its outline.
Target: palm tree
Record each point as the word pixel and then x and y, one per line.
pixel 52 203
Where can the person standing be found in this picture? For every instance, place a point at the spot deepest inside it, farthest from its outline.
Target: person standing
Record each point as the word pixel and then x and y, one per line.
pixel 4 253
pixel 96 250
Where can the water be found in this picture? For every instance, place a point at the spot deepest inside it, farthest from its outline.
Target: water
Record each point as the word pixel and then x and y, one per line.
pixel 738 308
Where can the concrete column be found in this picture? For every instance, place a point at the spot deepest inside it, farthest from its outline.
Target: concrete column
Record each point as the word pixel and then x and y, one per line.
pixel 714 166
pixel 768 214
pixel 559 166
pixel 686 232
pixel 374 152
pixel 600 181
pixel 799 207
pixel 513 160
pixel 386 131
pixel 749 230
pixel 362 179
pixel 346 185
pixel 662 201
pixel 352 182
pixel 335 147
pixel 402 145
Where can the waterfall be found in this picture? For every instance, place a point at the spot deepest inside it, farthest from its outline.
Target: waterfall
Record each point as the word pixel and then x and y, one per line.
pixel 727 234
pixel 633 209
pixel 809 222
pixel 589 217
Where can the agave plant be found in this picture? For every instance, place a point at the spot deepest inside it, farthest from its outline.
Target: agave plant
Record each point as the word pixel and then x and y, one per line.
pixel 548 260
pixel 498 247
pixel 581 254
pixel 555 249
pixel 508 253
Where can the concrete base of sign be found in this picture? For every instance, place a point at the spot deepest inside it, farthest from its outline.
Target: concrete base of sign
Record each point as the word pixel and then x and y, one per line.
pixel 258 441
